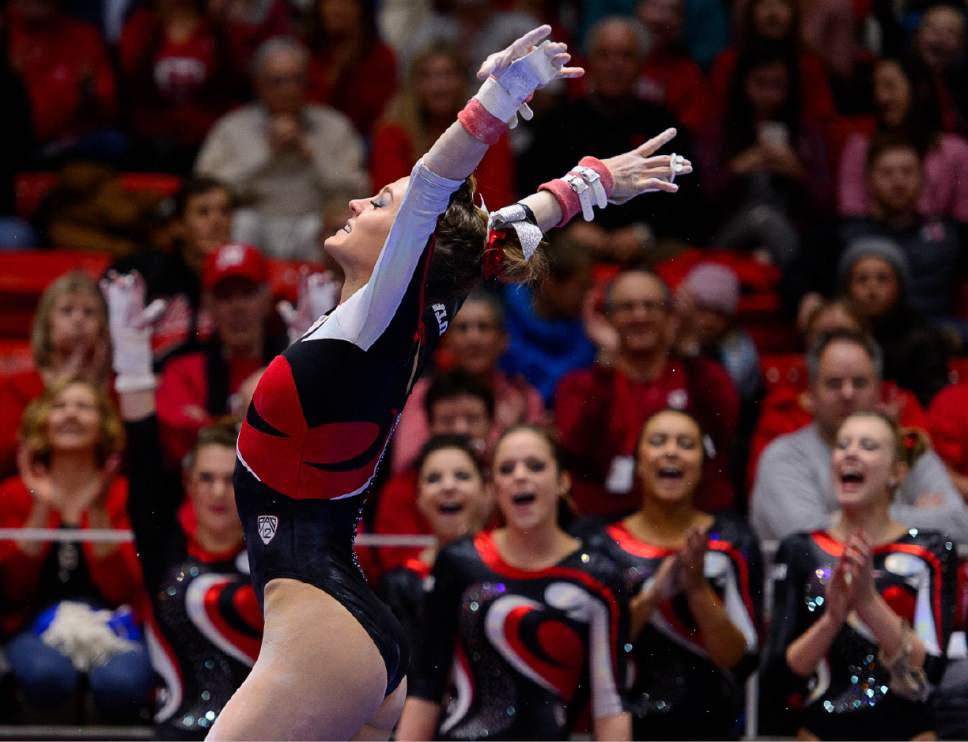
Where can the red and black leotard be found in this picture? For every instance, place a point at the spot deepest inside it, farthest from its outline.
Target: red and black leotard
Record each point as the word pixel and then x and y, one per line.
pixel 677 692
pixel 323 413
pixel 523 650
pixel 203 622
pixel 849 695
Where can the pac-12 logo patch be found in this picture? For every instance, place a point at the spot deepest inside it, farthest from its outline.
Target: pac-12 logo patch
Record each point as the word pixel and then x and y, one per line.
pixel 267 527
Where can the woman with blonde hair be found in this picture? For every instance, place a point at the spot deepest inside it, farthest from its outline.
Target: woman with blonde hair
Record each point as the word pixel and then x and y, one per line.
pixel 862 611
pixel 69 338
pixel 54 592
pixel 434 90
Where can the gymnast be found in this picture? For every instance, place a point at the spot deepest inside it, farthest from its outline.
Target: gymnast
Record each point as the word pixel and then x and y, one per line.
pixel 333 659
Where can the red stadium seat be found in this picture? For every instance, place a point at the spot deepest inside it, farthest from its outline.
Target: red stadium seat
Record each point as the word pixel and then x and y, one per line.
pixel 15 356
pixel 24 274
pixel 783 369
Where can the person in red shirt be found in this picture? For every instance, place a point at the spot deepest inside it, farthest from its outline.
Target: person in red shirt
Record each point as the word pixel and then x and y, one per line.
pixel 197 388
pixel 65 67
pixel 475 341
pixel 456 403
pixel 434 91
pixel 948 426
pixel 72 438
pixel 69 338
pixel 669 76
pixel 246 24
pixel 351 68
pixel 175 66
pixel 600 410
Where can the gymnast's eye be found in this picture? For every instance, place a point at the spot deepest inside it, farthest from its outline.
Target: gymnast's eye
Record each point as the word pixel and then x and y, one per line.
pixel 377 203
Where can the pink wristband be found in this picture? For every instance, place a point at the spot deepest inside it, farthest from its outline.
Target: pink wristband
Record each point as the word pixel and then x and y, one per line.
pixel 481 123
pixel 567 198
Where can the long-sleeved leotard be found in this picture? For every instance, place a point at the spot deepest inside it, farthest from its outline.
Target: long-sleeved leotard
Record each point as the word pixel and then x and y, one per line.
pixel 203 621
pixel 323 413
pixel 849 695
pixel 523 649
pixel 676 691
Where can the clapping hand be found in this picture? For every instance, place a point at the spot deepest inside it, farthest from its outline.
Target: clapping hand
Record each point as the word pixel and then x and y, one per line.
pixel 318 293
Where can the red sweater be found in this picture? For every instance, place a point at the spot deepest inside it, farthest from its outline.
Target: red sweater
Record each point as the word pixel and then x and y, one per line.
pixel 397 513
pixel 360 92
pixel 65 68
pixel 16 392
pixel 116 576
pixel 393 157
pixel 948 425
pixel 600 413
pixel 678 83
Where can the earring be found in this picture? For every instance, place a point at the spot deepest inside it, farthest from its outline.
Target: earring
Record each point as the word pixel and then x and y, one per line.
pixel 892 484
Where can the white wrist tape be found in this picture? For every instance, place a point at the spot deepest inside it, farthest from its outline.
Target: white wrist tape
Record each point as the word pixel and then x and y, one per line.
pixel 125 383
pixel 516 217
pixel 587 185
pixel 504 94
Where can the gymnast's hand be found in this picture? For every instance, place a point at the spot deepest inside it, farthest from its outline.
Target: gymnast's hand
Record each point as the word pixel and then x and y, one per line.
pixel 129 322
pixel 642 171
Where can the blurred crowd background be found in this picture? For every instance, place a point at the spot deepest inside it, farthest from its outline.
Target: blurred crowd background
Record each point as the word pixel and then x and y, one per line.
pixel 212 145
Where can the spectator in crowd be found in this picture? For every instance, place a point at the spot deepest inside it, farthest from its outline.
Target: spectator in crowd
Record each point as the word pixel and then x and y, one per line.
pixel 775 24
pixel 600 410
pixel 456 403
pixel 907 108
pixel 434 91
pixel 247 24
pixel 704 570
pixel 575 624
pixel 455 500
pixel 545 323
pixel 67 73
pixel 69 339
pixel 186 573
pixel 940 42
pixel 788 406
pixel 175 65
pixel 610 118
pixel 948 426
pixel 201 222
pixel 475 341
pixel 53 592
pixel 669 76
pixel 197 388
pixel 863 607
pixel 793 489
pixel 282 156
pixel 17 136
pixel 895 181
pixel 351 69
pixel 875 276
pixel 766 159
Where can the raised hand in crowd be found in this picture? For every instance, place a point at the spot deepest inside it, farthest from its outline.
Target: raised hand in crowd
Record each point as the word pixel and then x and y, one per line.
pixel 317 294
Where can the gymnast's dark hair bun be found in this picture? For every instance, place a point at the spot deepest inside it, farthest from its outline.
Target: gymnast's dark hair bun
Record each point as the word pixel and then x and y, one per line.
pixel 458 263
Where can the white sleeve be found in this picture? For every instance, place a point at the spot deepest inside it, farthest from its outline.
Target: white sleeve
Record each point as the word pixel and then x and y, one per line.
pixel 364 317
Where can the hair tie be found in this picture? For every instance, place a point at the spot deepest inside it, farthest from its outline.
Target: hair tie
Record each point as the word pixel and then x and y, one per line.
pixel 494 255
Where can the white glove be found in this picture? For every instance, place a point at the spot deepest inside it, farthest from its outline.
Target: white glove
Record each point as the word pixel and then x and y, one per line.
pixel 129 322
pixel 513 74
pixel 317 295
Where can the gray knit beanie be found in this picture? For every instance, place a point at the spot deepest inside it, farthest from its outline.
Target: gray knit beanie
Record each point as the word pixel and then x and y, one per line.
pixel 873 247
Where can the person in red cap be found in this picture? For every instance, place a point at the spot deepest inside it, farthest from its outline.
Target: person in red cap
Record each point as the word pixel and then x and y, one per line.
pixel 196 388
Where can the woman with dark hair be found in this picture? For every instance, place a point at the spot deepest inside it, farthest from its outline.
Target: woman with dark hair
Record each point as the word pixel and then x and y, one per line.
pixel 453 497
pixel 696 579
pixel 433 92
pixel 521 615
pixel 767 158
pixel 57 595
pixel 907 107
pixel 862 611
pixel 351 69
pixel 178 81
pixel 323 412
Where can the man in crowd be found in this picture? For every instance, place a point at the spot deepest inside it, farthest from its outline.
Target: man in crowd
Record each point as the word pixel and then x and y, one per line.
pixel 283 156
pixel 794 488
pixel 600 410
pixel 197 387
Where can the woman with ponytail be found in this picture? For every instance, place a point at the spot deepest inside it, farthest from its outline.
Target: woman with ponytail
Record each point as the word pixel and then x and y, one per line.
pixel 862 611
pixel 333 659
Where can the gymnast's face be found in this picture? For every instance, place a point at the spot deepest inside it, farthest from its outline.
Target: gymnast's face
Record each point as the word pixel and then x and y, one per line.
pixel 451 493
pixel 670 457
pixel 357 244
pixel 864 462
pixel 527 480
pixel 209 485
